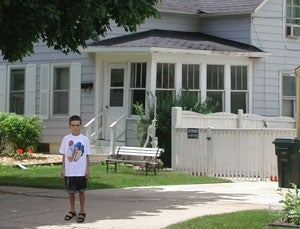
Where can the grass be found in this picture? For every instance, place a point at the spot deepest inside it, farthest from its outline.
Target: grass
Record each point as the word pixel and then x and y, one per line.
pixel 254 219
pixel 48 176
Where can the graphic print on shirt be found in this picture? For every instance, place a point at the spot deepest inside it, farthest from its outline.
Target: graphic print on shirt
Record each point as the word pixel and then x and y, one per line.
pixel 75 151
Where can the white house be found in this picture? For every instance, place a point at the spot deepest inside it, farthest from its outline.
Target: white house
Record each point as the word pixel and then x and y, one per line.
pixel 241 53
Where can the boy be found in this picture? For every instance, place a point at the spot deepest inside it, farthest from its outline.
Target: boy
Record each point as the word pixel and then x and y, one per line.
pixel 75 148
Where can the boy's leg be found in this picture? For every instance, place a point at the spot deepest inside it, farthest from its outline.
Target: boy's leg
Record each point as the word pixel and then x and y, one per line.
pixel 81 201
pixel 72 202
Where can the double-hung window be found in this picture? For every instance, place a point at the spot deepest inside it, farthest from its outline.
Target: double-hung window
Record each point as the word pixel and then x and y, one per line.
pixel 61 79
pixel 215 86
pixel 138 84
pixel 191 79
pixel 165 79
pixel 293 18
pixel 239 88
pixel 17 91
pixel 288 95
pixel 60 90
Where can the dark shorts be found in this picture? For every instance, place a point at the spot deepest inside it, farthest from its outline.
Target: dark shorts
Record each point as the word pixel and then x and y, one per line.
pixel 74 184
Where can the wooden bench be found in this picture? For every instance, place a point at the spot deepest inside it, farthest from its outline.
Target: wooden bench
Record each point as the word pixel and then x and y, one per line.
pixel 142 155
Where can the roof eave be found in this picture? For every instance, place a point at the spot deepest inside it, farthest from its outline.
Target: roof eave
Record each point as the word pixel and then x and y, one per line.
pixel 174 51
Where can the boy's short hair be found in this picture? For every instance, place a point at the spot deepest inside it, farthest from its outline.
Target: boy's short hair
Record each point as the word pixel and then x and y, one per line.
pixel 74 118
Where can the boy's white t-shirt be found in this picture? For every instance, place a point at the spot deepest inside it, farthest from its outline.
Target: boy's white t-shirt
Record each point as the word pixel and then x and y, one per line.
pixel 75 150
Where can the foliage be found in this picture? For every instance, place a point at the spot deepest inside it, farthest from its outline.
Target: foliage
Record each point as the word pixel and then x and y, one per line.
pixel 48 176
pixel 291 201
pixel 165 102
pixel 20 131
pixel 65 25
pixel 142 123
pixel 188 101
pixel 3 134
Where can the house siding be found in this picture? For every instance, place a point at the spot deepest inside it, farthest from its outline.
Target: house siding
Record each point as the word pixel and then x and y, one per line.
pixel 268 33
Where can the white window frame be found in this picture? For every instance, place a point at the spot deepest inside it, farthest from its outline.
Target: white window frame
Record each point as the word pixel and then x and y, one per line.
pixel 290 25
pixel 246 91
pixel 131 89
pixel 198 90
pixel 46 89
pixel 282 97
pixel 224 90
pixel 162 89
pixel 29 87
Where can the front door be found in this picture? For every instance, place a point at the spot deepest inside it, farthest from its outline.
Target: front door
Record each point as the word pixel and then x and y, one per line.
pixel 117 93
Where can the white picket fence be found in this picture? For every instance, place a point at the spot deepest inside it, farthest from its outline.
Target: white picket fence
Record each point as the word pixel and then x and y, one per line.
pixel 227 145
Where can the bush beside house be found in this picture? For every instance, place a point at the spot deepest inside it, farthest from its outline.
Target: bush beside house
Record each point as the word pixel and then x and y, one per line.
pixel 19 133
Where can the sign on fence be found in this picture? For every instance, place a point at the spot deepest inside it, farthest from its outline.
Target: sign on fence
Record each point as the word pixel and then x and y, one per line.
pixel 192 133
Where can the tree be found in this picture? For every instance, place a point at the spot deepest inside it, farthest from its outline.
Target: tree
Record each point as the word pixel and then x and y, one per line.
pixel 65 25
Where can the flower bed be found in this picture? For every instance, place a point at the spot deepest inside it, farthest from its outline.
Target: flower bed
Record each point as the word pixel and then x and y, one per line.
pixel 35 158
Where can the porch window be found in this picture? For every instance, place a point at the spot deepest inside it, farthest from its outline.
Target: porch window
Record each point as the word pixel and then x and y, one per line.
pixel 138 84
pixel 165 79
pixel 293 18
pixel 116 87
pixel 61 91
pixel 215 85
pixel 17 91
pixel 288 95
pixel 239 88
pixel 191 78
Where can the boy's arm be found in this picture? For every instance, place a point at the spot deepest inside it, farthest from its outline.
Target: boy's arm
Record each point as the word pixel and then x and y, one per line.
pixel 87 172
pixel 63 166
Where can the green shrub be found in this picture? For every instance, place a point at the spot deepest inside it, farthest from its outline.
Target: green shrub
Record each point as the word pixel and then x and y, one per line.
pixel 3 135
pixel 165 102
pixel 19 131
pixel 291 202
pixel 142 123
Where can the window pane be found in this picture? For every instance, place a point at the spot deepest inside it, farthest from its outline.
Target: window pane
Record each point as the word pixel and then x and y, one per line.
pixel 165 75
pixel 288 108
pixel 17 93
pixel 239 77
pixel 215 77
pixel 17 103
pixel 138 96
pixel 289 86
pixel 217 100
pixel 238 101
pixel 61 101
pixel 117 77
pixel 17 79
pixel 116 97
pixel 138 75
pixel 61 78
pixel 190 76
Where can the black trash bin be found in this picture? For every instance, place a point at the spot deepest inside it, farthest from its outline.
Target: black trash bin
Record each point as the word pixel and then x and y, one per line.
pixel 288 161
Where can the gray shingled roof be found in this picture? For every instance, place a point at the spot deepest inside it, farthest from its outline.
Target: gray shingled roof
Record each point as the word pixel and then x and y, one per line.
pixel 210 6
pixel 175 40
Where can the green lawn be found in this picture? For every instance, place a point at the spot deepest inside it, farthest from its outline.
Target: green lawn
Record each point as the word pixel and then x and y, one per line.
pixel 49 177
pixel 252 219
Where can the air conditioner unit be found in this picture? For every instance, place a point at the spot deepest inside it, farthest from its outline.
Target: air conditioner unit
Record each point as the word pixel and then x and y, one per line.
pixel 293 30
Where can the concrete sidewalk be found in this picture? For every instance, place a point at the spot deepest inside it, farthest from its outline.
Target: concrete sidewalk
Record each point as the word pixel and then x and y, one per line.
pixel 130 208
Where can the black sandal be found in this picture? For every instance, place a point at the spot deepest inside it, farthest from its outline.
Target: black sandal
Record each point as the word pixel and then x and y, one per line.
pixel 70 215
pixel 81 217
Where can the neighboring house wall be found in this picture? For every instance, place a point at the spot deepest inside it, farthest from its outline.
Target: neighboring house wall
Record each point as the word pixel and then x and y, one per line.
pixel 268 33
